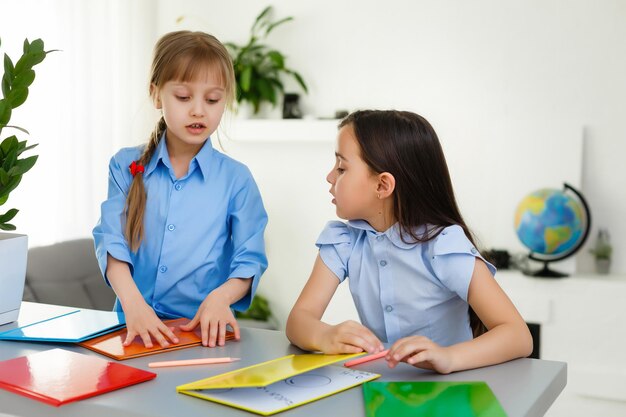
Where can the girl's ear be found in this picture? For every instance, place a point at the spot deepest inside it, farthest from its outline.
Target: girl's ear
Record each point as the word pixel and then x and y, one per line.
pixel 156 99
pixel 386 185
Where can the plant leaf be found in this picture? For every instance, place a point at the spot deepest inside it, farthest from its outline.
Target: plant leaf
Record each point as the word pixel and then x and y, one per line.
pixel 300 81
pixel 4 177
pixel 260 19
pixel 7 226
pixel 23 165
pixel 9 144
pixel 277 58
pixel 5 113
pixel 8 216
pixel 246 76
pixel 3 199
pixel 20 151
pixel 18 96
pixel 24 78
pixel 18 128
pixel 13 183
pixel 280 22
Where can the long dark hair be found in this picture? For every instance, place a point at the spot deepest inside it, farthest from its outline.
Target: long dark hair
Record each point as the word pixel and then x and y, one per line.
pixel 405 145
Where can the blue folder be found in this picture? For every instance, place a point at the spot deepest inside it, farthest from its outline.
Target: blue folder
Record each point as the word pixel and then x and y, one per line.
pixel 73 327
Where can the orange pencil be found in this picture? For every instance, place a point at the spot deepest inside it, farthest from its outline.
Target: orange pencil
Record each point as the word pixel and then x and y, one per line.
pixel 366 358
pixel 187 362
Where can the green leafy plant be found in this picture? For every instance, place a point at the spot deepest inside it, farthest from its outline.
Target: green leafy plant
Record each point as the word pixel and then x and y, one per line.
pixel 259 310
pixel 15 82
pixel 258 68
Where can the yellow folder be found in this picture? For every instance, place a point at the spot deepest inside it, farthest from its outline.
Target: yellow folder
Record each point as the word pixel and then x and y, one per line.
pixel 279 384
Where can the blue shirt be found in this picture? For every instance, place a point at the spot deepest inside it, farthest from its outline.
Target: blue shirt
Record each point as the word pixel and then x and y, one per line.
pixel 199 230
pixel 404 289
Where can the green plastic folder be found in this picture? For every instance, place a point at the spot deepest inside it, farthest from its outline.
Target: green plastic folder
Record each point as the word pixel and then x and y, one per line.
pixel 430 399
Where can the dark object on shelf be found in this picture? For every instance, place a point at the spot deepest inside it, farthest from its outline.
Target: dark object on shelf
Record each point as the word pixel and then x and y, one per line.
pixel 340 114
pixel 499 258
pixel 291 108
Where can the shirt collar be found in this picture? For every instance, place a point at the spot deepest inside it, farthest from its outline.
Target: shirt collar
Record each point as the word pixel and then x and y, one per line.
pixel 393 233
pixel 202 158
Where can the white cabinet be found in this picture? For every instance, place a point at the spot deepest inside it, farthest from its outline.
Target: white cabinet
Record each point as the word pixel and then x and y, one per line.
pixel 583 323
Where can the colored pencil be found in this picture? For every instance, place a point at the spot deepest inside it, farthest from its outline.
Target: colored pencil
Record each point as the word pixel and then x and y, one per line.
pixel 366 358
pixel 187 362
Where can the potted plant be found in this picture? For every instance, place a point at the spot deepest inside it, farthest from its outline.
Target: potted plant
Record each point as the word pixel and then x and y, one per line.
pixel 14 247
pixel 258 68
pixel 602 252
pixel 257 315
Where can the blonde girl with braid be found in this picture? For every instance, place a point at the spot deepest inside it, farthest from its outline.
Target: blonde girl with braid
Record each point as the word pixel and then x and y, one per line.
pixel 181 230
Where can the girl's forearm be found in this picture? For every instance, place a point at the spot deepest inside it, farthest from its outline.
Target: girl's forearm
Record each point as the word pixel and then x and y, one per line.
pixel 305 330
pixel 500 344
pixel 232 290
pixel 118 274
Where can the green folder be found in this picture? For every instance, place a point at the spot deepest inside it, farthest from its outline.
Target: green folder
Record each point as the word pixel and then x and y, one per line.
pixel 430 399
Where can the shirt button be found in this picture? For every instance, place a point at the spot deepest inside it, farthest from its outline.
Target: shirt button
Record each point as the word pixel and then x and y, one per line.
pixel 171 227
pixel 158 306
pixel 389 309
pixel 473 250
pixel 379 238
pixel 444 232
pixel 178 187
pixel 383 263
pixel 163 268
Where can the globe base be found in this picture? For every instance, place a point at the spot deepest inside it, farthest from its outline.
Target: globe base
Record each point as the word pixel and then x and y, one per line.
pixel 546 272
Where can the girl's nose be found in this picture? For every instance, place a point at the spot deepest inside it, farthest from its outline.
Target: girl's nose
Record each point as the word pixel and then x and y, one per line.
pixel 330 178
pixel 197 110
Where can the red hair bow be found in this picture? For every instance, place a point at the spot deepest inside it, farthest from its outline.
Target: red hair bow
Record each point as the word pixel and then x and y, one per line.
pixel 136 168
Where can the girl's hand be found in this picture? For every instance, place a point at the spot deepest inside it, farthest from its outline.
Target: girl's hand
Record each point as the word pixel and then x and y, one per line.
pixel 420 352
pixel 213 316
pixel 142 321
pixel 349 337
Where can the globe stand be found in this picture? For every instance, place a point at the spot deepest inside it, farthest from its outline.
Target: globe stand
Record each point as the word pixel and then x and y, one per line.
pixel 546 272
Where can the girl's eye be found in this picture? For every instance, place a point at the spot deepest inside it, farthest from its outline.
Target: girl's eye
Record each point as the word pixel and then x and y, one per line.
pixel 213 101
pixel 340 170
pixel 183 98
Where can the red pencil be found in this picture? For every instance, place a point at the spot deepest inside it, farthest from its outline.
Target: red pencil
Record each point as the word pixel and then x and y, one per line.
pixel 366 358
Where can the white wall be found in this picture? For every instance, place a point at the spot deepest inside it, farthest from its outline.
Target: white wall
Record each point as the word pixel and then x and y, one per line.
pixel 487 71
pixel 484 71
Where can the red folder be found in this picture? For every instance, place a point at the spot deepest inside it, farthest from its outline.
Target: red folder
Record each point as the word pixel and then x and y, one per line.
pixel 59 376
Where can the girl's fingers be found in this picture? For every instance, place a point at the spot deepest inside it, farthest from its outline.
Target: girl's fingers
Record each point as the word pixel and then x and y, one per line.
pixel 158 336
pixel 191 325
pixel 167 332
pixel 235 327
pixel 130 336
pixel 357 341
pixel 221 333
pixel 349 349
pixel 214 327
pixel 204 328
pixel 145 336
pixel 423 356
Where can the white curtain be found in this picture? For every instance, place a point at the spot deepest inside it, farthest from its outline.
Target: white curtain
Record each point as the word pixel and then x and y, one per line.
pixel 88 100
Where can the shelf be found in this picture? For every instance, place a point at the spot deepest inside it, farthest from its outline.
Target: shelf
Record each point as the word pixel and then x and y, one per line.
pixel 279 130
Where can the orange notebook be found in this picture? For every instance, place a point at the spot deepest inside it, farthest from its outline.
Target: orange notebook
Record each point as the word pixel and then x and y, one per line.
pixel 111 344
pixel 59 376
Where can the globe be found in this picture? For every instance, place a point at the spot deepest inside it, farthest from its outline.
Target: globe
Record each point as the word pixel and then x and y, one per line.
pixel 553 224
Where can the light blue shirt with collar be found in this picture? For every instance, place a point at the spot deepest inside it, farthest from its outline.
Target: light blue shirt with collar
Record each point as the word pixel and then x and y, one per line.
pixel 199 230
pixel 404 289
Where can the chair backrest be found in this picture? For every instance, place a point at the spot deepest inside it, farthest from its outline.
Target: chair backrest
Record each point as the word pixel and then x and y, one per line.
pixel 67 273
